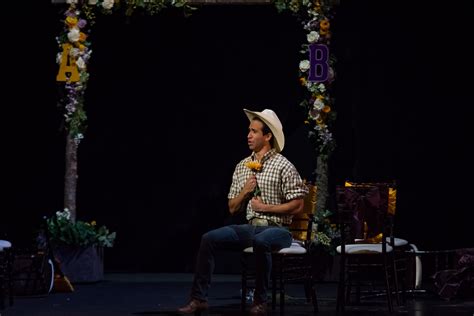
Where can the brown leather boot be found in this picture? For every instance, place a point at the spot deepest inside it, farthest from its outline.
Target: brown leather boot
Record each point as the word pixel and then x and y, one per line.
pixel 193 306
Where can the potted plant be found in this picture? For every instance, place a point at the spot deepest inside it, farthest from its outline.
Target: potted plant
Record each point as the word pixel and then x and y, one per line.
pixel 78 246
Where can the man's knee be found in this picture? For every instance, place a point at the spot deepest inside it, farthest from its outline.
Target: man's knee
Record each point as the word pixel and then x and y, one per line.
pixel 212 236
pixel 207 238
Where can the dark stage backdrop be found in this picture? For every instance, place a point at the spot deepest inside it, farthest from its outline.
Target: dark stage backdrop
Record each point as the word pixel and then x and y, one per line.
pixel 166 126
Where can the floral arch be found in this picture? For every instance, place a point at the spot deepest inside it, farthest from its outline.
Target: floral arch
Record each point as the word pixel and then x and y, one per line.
pixel 315 68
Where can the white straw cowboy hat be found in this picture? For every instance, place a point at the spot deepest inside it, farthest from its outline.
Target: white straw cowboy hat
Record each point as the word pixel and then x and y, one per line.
pixel 271 120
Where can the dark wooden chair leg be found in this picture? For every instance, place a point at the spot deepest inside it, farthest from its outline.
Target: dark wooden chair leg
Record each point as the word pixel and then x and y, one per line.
pixel 387 286
pixel 340 299
pixel 314 297
pixel 282 290
pixel 274 290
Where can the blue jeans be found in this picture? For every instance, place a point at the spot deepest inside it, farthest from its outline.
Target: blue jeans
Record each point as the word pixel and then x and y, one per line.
pixel 264 239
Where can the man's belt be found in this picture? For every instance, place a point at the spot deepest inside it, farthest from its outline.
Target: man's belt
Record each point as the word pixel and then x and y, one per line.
pixel 264 222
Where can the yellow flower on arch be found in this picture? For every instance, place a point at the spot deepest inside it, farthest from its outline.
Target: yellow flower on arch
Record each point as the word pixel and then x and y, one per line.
pixel 323 32
pixel 326 109
pixel 82 37
pixel 324 25
pixel 71 21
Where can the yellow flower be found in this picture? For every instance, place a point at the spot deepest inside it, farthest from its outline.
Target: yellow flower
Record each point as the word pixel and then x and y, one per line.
pixel 303 81
pixel 82 37
pixel 324 25
pixel 71 21
pixel 93 223
pixel 254 165
pixel 323 32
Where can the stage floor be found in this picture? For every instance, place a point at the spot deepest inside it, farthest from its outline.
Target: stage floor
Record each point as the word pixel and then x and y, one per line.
pixel 162 294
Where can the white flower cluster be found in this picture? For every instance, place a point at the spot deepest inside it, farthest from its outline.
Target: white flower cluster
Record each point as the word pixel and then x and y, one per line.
pixel 315 87
pixel 78 137
pixel 312 37
pixel 304 65
pixel 324 135
pixel 66 214
pixel 106 4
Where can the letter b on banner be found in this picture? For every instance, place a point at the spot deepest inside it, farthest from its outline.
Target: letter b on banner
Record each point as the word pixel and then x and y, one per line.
pixel 319 62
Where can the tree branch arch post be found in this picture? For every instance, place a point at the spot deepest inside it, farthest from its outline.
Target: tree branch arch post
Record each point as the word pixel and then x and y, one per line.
pixel 74 54
pixel 70 175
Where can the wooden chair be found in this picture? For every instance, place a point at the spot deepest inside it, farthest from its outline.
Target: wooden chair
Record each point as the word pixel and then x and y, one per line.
pixel 33 271
pixel 403 250
pixel 289 265
pixel 365 223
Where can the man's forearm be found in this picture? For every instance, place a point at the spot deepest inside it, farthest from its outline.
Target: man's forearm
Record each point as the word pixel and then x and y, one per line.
pixel 291 207
pixel 239 202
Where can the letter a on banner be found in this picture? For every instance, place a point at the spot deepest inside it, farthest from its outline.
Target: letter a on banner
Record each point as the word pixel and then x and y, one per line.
pixel 68 66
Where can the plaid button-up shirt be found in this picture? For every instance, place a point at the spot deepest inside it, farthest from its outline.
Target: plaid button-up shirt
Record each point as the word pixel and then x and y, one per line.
pixel 279 182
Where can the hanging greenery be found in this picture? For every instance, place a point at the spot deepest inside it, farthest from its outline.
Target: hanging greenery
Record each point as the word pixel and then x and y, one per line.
pixel 315 16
